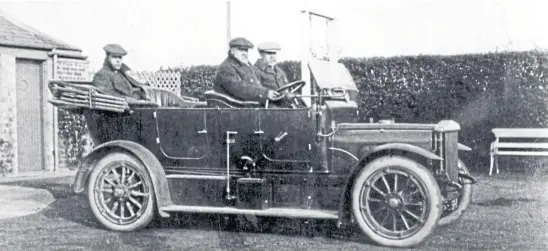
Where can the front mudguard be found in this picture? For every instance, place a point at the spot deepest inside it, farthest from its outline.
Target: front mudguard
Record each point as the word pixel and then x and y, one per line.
pixel 151 163
pixel 401 147
pixel 465 176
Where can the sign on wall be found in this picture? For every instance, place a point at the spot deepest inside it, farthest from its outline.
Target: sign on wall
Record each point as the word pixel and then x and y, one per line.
pixel 67 69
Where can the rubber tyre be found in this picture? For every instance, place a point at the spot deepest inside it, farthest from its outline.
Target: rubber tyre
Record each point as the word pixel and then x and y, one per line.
pixel 148 213
pixel 420 174
pixel 465 198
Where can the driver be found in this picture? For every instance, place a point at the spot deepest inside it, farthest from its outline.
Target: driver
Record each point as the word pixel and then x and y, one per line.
pixel 238 78
pixel 272 76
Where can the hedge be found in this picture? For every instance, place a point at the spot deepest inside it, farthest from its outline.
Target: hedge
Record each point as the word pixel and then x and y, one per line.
pixel 479 91
pixel 72 131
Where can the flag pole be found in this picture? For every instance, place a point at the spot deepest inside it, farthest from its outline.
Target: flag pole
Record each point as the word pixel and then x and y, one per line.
pixel 228 22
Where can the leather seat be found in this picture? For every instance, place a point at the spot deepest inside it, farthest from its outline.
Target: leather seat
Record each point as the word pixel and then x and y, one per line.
pixel 166 98
pixel 215 99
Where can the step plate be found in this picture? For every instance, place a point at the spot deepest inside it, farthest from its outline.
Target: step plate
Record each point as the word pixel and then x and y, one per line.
pixel 276 212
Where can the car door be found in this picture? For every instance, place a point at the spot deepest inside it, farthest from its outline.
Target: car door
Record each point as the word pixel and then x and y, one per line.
pixel 182 136
pixel 288 138
pixel 242 123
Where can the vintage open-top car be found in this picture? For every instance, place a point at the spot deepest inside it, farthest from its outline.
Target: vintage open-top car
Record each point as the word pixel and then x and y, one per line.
pixel 397 182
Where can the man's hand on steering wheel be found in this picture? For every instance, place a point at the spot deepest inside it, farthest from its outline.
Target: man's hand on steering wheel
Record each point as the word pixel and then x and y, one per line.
pixel 274 95
pixel 286 92
pixel 289 90
pixel 289 96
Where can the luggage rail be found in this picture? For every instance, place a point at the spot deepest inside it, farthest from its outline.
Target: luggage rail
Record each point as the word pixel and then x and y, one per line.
pixel 71 96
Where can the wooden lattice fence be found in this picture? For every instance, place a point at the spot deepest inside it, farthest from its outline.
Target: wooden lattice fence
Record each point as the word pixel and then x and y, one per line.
pixel 170 80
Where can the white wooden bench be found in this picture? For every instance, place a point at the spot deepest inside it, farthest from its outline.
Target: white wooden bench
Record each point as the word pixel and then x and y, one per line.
pixel 532 142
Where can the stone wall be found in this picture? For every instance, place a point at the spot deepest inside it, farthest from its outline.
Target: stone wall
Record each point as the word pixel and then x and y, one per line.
pixel 8 115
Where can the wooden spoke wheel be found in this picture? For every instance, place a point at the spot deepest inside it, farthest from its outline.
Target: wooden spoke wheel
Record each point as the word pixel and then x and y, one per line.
pixel 120 193
pixel 396 201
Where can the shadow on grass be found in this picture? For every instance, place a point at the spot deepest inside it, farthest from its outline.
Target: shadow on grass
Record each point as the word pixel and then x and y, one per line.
pixel 59 187
pixel 265 225
pixel 67 205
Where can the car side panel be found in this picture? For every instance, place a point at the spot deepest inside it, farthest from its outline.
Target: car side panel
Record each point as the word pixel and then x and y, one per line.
pixel 244 122
pixel 288 139
pixel 182 137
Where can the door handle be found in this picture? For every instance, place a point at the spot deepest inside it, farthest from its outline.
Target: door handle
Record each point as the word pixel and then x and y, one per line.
pixel 202 131
pixel 280 137
pixel 258 132
pixel 228 139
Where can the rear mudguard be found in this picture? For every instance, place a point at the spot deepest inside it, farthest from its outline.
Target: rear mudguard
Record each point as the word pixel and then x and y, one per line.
pixel 151 163
pixel 370 155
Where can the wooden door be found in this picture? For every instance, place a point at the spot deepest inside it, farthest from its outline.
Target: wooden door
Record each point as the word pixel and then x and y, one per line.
pixel 30 131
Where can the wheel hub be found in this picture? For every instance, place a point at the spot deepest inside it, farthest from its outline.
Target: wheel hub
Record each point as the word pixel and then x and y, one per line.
pixel 118 192
pixel 393 203
pixel 121 192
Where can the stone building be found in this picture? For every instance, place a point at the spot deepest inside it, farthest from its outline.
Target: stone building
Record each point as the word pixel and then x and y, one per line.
pixel 28 123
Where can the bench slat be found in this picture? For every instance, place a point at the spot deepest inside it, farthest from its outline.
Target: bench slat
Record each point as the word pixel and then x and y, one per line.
pixel 521 153
pixel 520 132
pixel 521 145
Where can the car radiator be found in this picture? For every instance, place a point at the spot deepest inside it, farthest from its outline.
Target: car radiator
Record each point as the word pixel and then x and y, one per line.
pixel 446 146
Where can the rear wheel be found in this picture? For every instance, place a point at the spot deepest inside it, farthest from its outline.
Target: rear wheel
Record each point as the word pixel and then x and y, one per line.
pixel 120 193
pixel 464 199
pixel 396 201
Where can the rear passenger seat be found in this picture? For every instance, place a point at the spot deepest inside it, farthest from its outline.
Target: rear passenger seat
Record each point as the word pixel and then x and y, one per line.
pixel 167 98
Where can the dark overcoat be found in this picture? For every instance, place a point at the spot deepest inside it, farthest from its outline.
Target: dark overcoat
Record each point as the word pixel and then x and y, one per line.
pixel 271 77
pixel 115 82
pixel 240 81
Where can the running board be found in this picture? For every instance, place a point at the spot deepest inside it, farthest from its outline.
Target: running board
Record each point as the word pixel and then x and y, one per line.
pixel 276 212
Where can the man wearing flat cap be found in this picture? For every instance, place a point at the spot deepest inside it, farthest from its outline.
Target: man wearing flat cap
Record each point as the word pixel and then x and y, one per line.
pixel 272 76
pixel 238 78
pixel 114 79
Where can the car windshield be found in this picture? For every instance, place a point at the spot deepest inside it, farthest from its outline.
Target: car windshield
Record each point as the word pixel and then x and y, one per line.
pixel 330 75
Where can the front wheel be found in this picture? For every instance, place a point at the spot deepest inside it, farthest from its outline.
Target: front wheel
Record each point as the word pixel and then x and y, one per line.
pixel 120 193
pixel 396 201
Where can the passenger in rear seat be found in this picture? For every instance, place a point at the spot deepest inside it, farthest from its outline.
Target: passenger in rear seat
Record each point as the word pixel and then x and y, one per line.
pixel 113 78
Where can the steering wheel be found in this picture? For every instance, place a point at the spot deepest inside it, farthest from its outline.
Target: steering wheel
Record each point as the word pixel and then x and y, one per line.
pixel 292 87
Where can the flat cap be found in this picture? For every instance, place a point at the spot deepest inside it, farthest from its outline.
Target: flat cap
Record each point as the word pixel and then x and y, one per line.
pixel 269 47
pixel 240 42
pixel 115 49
